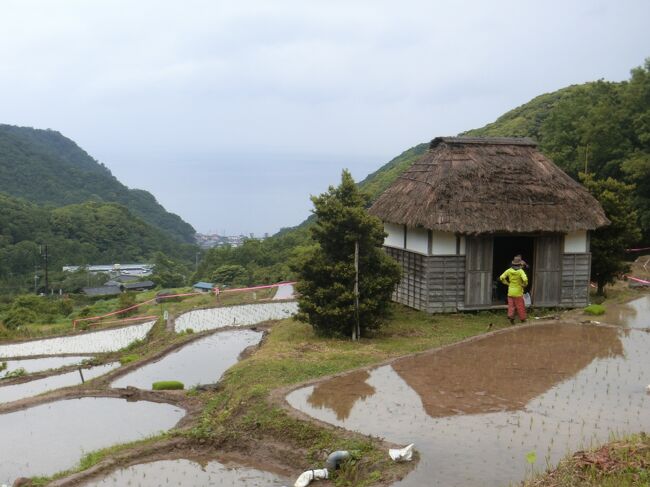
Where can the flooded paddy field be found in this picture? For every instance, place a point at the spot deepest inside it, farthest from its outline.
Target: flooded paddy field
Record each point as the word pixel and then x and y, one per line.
pixel 243 315
pixel 185 472
pixel 51 437
pixel 635 314
pixel 201 362
pixel 40 364
pixel 475 410
pixel 14 392
pixel 85 343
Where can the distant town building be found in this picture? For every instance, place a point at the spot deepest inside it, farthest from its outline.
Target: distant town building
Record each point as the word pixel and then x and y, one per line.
pixel 208 241
pixel 116 270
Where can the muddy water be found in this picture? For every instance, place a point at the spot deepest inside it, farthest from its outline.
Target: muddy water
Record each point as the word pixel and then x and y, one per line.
pixel 201 362
pixel 635 314
pixel 51 437
pixel 474 411
pixel 40 364
pixel 38 386
pixel 185 473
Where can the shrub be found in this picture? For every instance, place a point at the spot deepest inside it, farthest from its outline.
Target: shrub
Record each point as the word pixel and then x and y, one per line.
pixel 166 385
pixel 595 309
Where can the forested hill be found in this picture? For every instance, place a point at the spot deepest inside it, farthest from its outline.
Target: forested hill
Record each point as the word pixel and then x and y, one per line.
pixel 44 167
pixel 84 233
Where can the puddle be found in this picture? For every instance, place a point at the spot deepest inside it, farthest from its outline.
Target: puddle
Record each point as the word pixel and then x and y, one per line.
pixel 40 364
pixel 51 437
pixel 635 314
pixel 244 315
pixel 33 388
pixel 186 472
pixel 201 362
pixel 92 342
pixel 475 411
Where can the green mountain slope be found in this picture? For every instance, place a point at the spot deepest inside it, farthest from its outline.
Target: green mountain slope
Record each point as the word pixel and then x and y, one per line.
pixel 85 233
pixel 44 167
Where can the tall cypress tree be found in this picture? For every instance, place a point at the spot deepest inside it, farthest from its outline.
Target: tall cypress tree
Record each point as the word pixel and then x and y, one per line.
pixel 327 273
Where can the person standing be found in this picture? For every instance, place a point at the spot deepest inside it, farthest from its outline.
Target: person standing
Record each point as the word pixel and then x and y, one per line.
pixel 516 280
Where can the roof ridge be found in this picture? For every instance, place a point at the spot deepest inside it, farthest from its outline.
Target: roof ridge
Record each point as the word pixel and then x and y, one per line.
pixel 521 141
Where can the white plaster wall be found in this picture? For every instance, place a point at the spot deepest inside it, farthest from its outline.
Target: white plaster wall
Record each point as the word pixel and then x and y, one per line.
pixel 575 242
pixel 462 245
pixel 444 243
pixel 395 235
pixel 417 240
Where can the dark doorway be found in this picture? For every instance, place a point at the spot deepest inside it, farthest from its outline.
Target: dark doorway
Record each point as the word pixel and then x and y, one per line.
pixel 505 248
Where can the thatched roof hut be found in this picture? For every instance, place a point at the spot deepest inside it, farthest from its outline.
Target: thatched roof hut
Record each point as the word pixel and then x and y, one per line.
pixel 473 185
pixel 455 219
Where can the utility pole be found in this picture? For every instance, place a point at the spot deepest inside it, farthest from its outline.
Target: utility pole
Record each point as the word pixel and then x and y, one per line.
pixel 356 333
pixel 47 280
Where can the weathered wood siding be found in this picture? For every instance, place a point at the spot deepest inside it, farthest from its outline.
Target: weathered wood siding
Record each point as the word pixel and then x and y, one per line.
pixel 576 270
pixel 548 270
pixel 412 289
pixel 429 283
pixel 478 282
pixel 446 279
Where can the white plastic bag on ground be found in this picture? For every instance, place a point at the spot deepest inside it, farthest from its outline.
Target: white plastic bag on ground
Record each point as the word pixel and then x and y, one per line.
pixel 402 455
pixel 309 475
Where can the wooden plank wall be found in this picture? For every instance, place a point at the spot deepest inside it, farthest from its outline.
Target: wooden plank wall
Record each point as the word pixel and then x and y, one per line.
pixel 478 283
pixel 576 270
pixel 412 289
pixel 446 278
pixel 429 283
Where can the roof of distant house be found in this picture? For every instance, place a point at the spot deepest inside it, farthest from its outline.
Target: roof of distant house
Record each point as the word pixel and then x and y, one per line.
pixel 139 285
pixel 203 285
pixel 101 290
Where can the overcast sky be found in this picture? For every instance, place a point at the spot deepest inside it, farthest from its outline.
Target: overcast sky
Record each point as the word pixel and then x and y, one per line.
pixel 233 112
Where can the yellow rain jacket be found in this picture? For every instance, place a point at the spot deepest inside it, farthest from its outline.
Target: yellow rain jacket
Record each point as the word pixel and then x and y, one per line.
pixel 516 280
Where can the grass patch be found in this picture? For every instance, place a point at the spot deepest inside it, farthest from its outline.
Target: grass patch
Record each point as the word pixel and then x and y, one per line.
pixel 595 309
pixel 621 463
pixel 127 359
pixel 167 385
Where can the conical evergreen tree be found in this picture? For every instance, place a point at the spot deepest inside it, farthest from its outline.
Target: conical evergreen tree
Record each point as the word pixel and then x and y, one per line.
pixel 327 273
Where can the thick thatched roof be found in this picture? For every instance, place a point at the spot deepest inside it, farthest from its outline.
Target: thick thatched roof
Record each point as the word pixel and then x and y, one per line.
pixel 477 185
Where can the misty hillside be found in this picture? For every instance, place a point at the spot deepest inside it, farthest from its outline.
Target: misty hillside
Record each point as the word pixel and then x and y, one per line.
pixel 44 167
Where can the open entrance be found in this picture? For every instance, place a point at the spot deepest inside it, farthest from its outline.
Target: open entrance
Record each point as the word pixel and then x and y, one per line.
pixel 504 249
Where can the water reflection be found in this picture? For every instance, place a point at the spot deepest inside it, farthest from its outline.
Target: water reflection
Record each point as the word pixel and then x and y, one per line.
pixel 185 472
pixel 45 439
pixel 635 314
pixel 40 364
pixel 32 388
pixel 201 362
pixel 475 410
pixel 340 393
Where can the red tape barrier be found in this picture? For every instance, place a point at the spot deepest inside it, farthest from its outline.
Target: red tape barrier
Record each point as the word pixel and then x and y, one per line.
pixel 636 279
